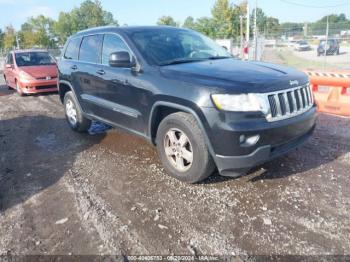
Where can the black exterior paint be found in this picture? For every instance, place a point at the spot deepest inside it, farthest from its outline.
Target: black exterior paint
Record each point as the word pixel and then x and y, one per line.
pixel 188 87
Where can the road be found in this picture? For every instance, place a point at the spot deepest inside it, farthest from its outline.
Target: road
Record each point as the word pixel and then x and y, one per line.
pixel 65 193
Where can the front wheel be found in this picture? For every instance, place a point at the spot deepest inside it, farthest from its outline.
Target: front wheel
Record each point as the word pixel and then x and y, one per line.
pixel 74 114
pixel 182 148
pixel 19 89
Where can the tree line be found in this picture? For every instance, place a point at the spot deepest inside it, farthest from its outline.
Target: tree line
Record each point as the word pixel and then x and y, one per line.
pixel 224 22
pixel 44 32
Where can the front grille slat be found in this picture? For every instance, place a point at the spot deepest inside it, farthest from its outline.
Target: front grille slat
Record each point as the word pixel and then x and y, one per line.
pixel 286 100
pixel 297 98
pixel 282 104
pixel 278 106
pixel 273 105
pixel 289 103
pixel 306 96
pixel 303 98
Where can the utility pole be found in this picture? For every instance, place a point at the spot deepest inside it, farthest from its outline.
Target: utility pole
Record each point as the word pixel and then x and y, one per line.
pixel 17 41
pixel 326 44
pixel 248 27
pixel 241 22
pixel 255 32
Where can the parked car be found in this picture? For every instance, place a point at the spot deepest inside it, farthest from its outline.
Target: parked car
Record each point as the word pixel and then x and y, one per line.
pixel 30 72
pixel 302 46
pixel 332 47
pixel 185 94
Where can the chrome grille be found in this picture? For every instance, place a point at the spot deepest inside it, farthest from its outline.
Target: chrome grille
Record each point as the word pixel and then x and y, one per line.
pixel 289 103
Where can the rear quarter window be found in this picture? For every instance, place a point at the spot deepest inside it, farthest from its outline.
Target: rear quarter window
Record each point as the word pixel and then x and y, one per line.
pixel 72 50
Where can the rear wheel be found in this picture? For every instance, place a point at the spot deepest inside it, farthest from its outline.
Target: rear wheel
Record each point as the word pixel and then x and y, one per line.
pixel 7 84
pixel 74 114
pixel 182 148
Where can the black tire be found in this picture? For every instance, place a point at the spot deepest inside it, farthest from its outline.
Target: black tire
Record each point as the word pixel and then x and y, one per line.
pixel 202 165
pixel 82 124
pixel 19 90
pixel 6 83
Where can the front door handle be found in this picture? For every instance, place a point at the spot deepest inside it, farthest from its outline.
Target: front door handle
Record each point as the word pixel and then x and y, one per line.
pixel 101 72
pixel 74 67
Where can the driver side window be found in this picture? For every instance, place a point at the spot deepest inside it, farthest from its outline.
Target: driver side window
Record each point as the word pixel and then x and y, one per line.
pixel 111 44
pixel 9 59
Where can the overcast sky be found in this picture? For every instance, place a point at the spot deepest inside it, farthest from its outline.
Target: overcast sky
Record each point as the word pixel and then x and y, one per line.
pixel 146 12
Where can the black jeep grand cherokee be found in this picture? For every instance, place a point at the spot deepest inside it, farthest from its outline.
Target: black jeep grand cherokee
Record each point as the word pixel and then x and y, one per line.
pixel 202 108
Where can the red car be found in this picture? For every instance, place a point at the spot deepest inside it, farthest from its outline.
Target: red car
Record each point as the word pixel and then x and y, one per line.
pixel 31 71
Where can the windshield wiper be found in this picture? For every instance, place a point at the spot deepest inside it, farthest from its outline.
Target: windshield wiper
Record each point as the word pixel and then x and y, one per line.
pixel 219 57
pixel 179 61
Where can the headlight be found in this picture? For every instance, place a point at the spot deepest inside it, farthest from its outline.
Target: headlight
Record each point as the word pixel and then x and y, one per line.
pixel 241 103
pixel 25 76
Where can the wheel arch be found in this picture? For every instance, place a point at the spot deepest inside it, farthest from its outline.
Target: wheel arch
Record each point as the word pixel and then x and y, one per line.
pixel 156 116
pixel 63 88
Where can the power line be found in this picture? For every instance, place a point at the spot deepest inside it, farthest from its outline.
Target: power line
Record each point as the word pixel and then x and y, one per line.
pixel 315 6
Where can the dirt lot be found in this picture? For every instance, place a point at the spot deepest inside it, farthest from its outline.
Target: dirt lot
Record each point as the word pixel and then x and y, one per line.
pixel 65 193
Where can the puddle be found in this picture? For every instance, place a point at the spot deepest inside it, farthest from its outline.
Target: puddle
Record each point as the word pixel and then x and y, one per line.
pixel 47 141
pixel 98 128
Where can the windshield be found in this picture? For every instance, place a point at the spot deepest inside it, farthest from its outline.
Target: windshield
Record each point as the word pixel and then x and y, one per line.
pixel 329 43
pixel 34 59
pixel 169 46
pixel 303 43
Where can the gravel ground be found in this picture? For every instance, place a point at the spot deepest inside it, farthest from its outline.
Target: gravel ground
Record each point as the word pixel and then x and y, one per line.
pixel 64 193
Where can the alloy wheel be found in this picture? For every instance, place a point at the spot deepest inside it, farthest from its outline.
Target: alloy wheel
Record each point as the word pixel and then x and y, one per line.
pixel 178 149
pixel 71 112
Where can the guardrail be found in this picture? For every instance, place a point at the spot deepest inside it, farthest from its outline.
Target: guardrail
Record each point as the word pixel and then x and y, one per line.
pixel 332 91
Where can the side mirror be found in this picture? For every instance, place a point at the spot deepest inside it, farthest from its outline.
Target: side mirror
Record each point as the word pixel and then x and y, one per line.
pixel 8 66
pixel 120 59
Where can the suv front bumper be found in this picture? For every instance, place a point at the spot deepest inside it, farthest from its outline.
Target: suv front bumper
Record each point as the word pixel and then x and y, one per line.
pixel 276 139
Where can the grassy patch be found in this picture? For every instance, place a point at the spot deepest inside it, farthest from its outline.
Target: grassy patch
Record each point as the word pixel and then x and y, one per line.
pixel 290 59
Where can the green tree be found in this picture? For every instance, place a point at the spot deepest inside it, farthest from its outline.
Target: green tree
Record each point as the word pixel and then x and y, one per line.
pixel 88 14
pixel 337 23
pixel 206 26
pixel 63 27
pixel 166 20
pixel 1 39
pixel 189 23
pixel 261 20
pixel 222 13
pixel 226 18
pixel 37 32
pixel 9 37
pixel 273 28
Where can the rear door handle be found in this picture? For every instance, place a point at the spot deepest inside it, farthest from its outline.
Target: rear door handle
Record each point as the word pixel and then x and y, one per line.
pixel 74 67
pixel 101 72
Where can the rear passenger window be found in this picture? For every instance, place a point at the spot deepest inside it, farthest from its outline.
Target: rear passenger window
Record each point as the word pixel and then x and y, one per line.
pixel 111 44
pixel 72 50
pixel 90 49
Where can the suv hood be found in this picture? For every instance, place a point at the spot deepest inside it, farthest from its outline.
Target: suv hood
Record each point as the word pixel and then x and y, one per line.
pixel 233 75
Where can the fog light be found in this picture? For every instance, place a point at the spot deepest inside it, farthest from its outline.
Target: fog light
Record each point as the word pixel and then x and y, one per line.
pixel 248 141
